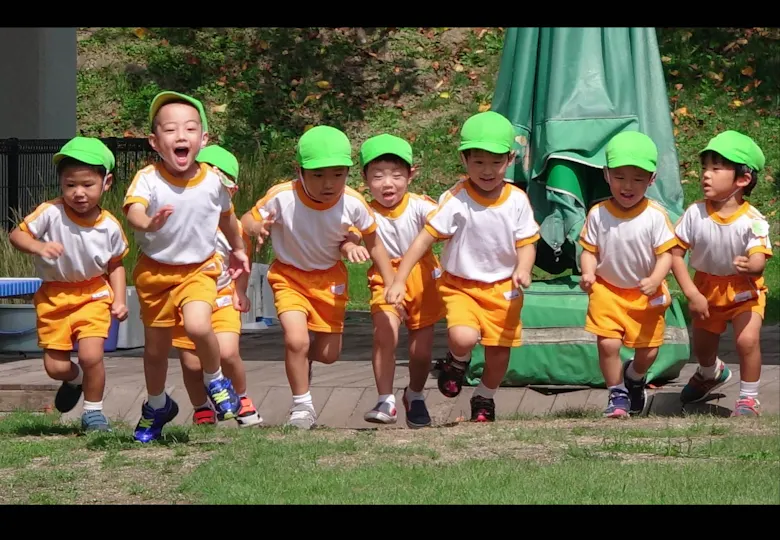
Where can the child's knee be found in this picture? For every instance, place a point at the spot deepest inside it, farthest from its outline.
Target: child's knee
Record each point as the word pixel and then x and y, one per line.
pixel 297 342
pixel 747 342
pixel 57 365
pixel 463 337
pixel 327 348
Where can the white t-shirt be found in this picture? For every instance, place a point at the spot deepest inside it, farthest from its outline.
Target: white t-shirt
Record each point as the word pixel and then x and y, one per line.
pixel 88 247
pixel 482 234
pixel 399 227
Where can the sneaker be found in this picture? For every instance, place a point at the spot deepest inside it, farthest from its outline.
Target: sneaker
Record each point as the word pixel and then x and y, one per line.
pixel 747 406
pixel 224 398
pixel 618 405
pixel 698 388
pixel 67 397
pixel 483 409
pixel 302 416
pixel 637 394
pixel 247 414
pixel 384 412
pixel 149 427
pixel 451 376
pixel 94 421
pixel 204 416
pixel 416 412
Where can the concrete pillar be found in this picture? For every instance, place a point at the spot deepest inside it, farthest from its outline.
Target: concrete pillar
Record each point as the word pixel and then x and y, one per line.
pixel 38 86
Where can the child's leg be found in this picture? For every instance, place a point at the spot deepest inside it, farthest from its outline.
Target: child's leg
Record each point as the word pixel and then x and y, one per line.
pixel 612 370
pixel 461 340
pixel 483 408
pixel 233 366
pixel 94 383
pixel 159 408
pixel 296 350
pixel 634 373
pixel 59 367
pixel 192 375
pixel 712 373
pixel 386 326
pixel 747 336
pixel 420 359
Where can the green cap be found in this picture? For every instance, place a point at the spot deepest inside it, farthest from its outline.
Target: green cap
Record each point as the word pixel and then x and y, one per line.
pixel 738 148
pixel 488 131
pixel 385 144
pixel 632 148
pixel 87 150
pixel 217 156
pixel 324 146
pixel 167 96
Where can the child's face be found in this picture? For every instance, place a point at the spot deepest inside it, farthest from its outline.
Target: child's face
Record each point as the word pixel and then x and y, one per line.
pixel 388 181
pixel 325 184
pixel 178 136
pixel 486 169
pixel 628 184
pixel 82 186
pixel 718 178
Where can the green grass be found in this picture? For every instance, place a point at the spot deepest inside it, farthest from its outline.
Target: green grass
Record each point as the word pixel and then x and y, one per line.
pixel 583 460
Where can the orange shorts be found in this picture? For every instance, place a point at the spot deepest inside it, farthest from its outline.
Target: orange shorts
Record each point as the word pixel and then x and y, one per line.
pixel 729 296
pixel 321 294
pixel 164 288
pixel 493 309
pixel 225 318
pixel 422 301
pixel 68 312
pixel 636 319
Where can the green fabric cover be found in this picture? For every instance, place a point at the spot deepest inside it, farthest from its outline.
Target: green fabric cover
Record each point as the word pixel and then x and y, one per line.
pixel 556 349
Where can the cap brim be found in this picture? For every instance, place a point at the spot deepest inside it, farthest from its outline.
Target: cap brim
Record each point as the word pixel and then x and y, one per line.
pixel 642 164
pixel 85 157
pixel 372 156
pixel 167 97
pixel 495 148
pixel 327 162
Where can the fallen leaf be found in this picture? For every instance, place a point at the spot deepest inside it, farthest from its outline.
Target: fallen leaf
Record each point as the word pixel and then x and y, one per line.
pixel 682 111
pixel 684 181
pixel 756 83
pixel 444 95
pixel 678 86
pixel 715 76
pixel 665 59
pixel 459 68
pixel 472 76
pixel 773 201
pixel 484 107
pixel 262 44
pixel 435 65
pixel 362 188
pixel 675 132
pixel 747 88
pixel 768 178
pixel 307 127
pixel 756 123
pixel 748 71
pixel 482 33
pixel 323 84
pixel 129 133
pixel 164 43
pixel 674 73
pixel 742 41
pixel 772 213
pixel 692 173
pixel 737 103
pixel 222 80
pixel 396 88
pixel 396 70
pixel 219 108
pixel 438 85
pixel 140 33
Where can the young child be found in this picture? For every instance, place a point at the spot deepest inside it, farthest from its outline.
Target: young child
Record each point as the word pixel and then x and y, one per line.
pixel 491 233
pixel 387 168
pixel 226 320
pixel 175 208
pixel 308 218
pixel 729 244
pixel 78 249
pixel 626 257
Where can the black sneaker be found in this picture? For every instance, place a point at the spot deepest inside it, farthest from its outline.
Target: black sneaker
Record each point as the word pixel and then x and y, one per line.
pixel 416 413
pixel 637 394
pixel 451 376
pixel 483 409
pixel 67 397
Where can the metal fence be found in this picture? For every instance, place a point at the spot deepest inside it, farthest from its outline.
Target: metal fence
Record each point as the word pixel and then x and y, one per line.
pixel 28 177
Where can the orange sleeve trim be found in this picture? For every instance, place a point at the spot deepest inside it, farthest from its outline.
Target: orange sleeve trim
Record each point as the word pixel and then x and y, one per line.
pixel 23 227
pixel 118 258
pixel 129 201
pixel 760 249
pixel 229 211
pixel 666 246
pixel 370 230
pixel 436 234
pixel 683 244
pixel 256 214
pixel 526 241
pixel 588 246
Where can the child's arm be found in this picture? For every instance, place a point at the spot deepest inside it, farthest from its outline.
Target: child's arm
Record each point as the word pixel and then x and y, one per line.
pixel 589 260
pixel 526 234
pixel 378 252
pixel 588 264
pixel 138 220
pixel 351 248
pixel 663 264
pixel 239 263
pixel 240 300
pixel 422 243
pixel 759 248
pixel 753 265
pixel 697 303
pixel 526 258
pixel 118 281
pixel 26 243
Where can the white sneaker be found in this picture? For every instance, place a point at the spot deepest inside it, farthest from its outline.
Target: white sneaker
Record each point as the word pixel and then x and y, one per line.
pixel 383 412
pixel 302 416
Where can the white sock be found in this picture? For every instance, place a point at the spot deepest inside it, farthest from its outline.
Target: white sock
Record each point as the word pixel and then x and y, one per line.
pixel 411 395
pixel 93 405
pixel 304 399
pixel 242 395
pixel 156 402
pixel 484 391
pixel 710 372
pixel 208 377
pixel 749 389
pixel 387 398
pixel 632 374
pixel 79 378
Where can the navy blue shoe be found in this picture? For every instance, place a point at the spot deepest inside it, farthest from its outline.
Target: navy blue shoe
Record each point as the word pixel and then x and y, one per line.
pixel 416 412
pixel 149 427
pixel 224 397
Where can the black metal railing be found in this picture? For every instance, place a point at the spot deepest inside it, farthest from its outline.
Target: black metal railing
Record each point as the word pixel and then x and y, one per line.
pixel 28 176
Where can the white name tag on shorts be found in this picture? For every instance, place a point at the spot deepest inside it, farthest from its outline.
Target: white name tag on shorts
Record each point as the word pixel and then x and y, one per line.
pixel 101 294
pixel 511 295
pixel 744 295
pixel 224 301
pixel 337 289
pixel 658 300
pixel 436 273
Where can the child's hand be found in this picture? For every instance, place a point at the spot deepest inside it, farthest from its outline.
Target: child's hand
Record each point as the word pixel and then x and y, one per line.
pixel 355 253
pixel 241 302
pixel 521 278
pixel 394 294
pixel 159 219
pixel 742 264
pixel 648 286
pixel 50 250
pixel 119 310
pixel 263 229
pixel 587 281
pixel 698 306
pixel 239 263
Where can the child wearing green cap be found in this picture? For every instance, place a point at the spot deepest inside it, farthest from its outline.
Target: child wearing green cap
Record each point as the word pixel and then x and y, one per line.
pixel 175 206
pixel 307 219
pixel 226 319
pixel 627 242
pixel 728 241
pixel 387 168
pixel 490 231
pixel 77 248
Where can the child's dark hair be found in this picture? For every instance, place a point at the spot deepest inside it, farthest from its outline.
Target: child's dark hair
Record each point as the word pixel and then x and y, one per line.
pixel 179 101
pixel 392 158
pixel 73 162
pixel 739 169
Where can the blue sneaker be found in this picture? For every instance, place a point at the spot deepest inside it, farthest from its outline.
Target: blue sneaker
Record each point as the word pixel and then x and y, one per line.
pixel 149 427
pixel 224 397
pixel 618 405
pixel 94 421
